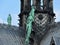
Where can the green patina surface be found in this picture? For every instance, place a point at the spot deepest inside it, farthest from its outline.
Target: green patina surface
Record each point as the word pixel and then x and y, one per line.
pixel 9 19
pixel 30 19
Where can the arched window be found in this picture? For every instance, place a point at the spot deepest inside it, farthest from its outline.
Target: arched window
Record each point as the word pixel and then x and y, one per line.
pixel 41 4
pixel 31 2
pixel 52 42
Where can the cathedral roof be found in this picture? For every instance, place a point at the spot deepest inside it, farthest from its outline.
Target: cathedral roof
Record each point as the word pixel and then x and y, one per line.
pixel 11 35
pixel 57 40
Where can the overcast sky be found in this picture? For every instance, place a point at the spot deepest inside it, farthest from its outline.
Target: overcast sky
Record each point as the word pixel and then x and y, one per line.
pixel 13 7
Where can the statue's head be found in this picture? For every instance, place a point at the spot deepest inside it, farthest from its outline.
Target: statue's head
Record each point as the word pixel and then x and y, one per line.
pixel 33 8
pixel 9 14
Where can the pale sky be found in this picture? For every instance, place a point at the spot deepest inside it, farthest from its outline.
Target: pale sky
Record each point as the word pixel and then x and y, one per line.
pixel 13 7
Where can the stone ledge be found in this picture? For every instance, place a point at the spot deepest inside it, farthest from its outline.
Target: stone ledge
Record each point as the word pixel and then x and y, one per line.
pixel 5 26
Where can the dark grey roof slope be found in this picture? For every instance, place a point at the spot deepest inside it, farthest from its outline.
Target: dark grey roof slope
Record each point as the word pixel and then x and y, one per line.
pixel 57 40
pixel 11 35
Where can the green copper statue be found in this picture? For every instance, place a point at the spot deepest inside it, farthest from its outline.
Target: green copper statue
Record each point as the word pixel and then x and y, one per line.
pixel 30 19
pixel 9 19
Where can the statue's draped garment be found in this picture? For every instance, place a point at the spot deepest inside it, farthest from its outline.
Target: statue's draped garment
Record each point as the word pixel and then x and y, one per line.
pixel 9 19
pixel 29 21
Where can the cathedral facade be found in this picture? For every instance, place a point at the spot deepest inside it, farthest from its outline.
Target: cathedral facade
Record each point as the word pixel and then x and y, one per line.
pixel 43 20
